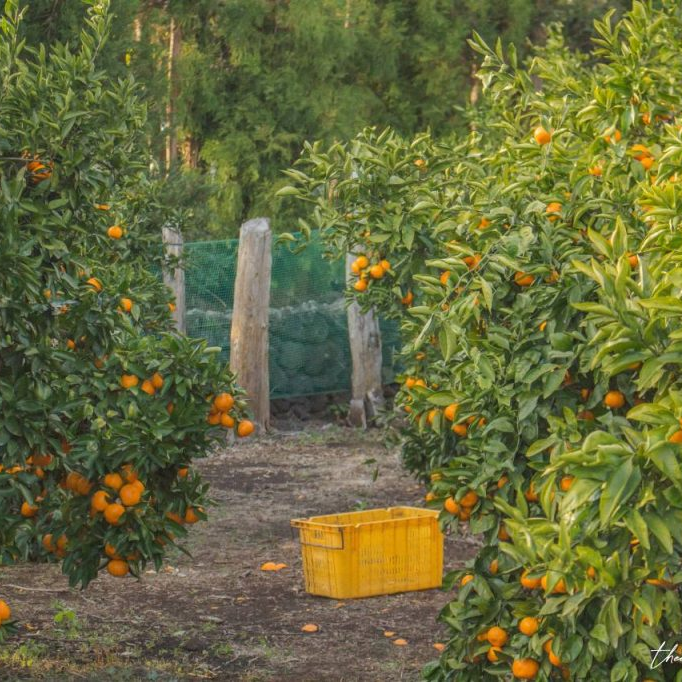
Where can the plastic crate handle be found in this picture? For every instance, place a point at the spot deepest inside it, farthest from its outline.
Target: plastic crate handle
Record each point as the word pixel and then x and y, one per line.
pixel 301 524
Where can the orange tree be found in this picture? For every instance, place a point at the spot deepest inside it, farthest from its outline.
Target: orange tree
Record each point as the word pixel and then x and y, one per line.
pixel 103 406
pixel 534 270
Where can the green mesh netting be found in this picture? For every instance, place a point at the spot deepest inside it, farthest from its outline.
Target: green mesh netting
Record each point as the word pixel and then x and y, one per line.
pixel 309 347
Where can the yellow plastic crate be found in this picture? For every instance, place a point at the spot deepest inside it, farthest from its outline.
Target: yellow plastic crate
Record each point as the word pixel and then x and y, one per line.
pixel 365 553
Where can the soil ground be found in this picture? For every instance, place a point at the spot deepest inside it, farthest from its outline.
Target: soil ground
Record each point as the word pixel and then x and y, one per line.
pixel 216 615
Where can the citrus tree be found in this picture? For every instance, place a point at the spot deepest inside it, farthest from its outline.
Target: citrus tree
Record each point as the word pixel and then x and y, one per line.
pixel 534 269
pixel 103 406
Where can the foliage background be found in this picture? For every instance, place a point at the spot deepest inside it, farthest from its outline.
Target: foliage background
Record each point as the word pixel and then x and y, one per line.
pixel 254 79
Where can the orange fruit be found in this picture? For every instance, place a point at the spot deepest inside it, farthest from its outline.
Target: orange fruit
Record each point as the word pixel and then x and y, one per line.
pixel 362 262
pixel 71 344
pixel 47 543
pixel 439 646
pixel 245 428
pixel 128 473
pixel 530 583
pixel 115 232
pixel 429 497
pixel 530 494
pixel 502 534
pixel 157 380
pixel 472 261
pixel 170 408
pixel 100 501
pixel 444 277
pixel 376 272
pixel 529 626
pixel 355 268
pixel 126 304
pixel 466 580
pixel 542 136
pixel 113 513
pixel 647 161
pixel 191 516
pixel 676 437
pixel 460 429
pixel 469 499
pixel 360 285
pixel 113 481
pixel 130 495
pixel 497 636
pixel 451 505
pixel 148 387
pixel 95 284
pixel 614 400
pixel 5 611
pixel 559 588
pixel 450 412
pixel 633 260
pixel 407 298
pixel 503 480
pixel 310 627
pixel 494 566
pixel 223 402
pixel 585 394
pixel 385 265
pixel 110 551
pixel 28 510
pixel 129 380
pixel 591 572
pixel 523 279
pixel 171 307
pixel 566 482
pixel 431 416
pixel 102 207
pixel 117 568
pixel 525 668
pixel 226 420
pixel 484 224
pixel 42 460
pixel 542 326
pixel 174 516
pixel 552 209
pixel 595 170
pixel 213 418
pixel 492 654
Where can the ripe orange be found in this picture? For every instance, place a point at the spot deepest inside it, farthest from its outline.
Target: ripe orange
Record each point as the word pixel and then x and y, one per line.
pixel 472 261
pixel 523 279
pixel 431 416
pixel 113 481
pixel 223 402
pixel 614 400
pixel 502 534
pixel 676 437
pixel 28 510
pixel 360 285
pixel 466 579
pixel 117 568
pixel 559 588
pixel 245 428
pixel 542 326
pixel 148 387
pixel 376 272
pixel 633 260
pixel 469 499
pixel 113 513
pixel 362 262
pixel 157 380
pixel 407 298
pixel 171 307
pixel 502 481
pixel 5 611
pixel 110 551
pixel 128 473
pixel 71 344
pixel 484 224
pixel 310 627
pixel 616 137
pixel 530 494
pixel 530 583
pixel 191 516
pixel 451 505
pixel 129 380
pixel 460 429
pixel 213 418
pixel 62 542
pixel 115 232
pixel 174 516
pixel 497 636
pixel 130 495
pixel 492 654
pixel 95 284
pixel 429 497
pixel 591 572
pixel 100 500
pixel 444 277
pixel 595 170
pixel 494 566
pixel 126 304
pixel 525 668
pixel 385 265
pixel 647 161
pixel 552 209
pixel 566 482
pixel 47 543
pixel 450 412
pixel 529 626
pixel 541 136
pixel 226 420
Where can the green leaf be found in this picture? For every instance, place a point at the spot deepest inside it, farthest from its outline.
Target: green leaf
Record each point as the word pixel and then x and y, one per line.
pixel 619 488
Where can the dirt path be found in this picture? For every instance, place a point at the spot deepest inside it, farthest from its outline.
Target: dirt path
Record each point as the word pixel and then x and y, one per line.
pixel 217 616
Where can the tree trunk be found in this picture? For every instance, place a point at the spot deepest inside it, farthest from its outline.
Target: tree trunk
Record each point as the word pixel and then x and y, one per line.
pixel 174 42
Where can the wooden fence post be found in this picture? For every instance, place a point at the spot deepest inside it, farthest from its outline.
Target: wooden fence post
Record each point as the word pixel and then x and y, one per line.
pixel 367 396
pixel 249 343
pixel 175 277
